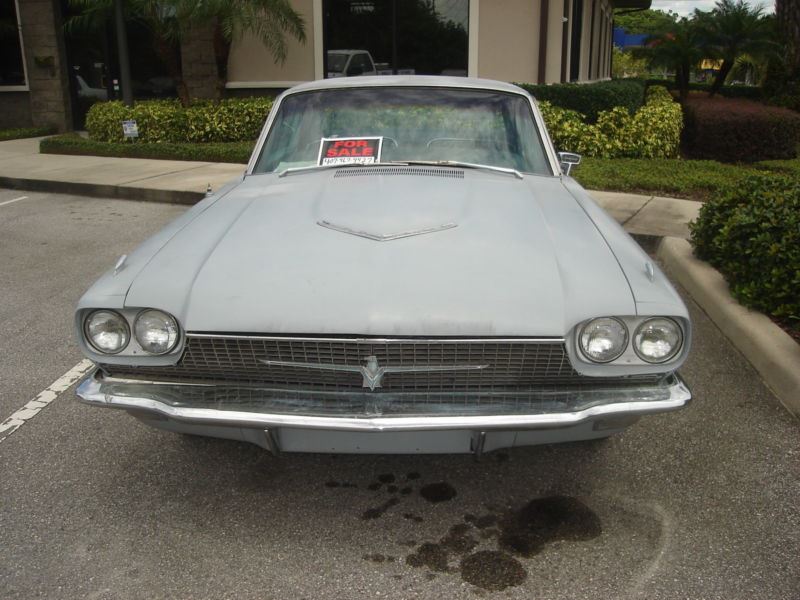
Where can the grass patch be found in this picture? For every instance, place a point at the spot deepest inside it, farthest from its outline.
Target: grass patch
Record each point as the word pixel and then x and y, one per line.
pixel 694 179
pixel 224 152
pixel 24 132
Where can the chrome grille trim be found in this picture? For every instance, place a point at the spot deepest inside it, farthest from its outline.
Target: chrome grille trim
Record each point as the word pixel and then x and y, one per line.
pixel 514 364
pixel 377 340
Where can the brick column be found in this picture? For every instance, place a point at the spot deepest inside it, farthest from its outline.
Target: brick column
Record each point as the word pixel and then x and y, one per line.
pixel 45 56
pixel 199 64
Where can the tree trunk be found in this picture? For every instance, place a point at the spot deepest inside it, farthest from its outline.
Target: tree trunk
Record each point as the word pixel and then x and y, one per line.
pixel 168 55
pixel 682 81
pixel 200 69
pixel 722 75
pixel 787 13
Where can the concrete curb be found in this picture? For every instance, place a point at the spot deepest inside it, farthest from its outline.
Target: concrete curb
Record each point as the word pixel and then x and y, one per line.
pixel 773 353
pixel 101 190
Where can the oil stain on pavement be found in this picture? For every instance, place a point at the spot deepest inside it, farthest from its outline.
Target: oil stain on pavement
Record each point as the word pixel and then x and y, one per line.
pixel 511 534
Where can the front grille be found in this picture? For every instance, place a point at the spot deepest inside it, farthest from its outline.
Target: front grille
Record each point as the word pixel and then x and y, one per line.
pixel 509 365
pixel 389 171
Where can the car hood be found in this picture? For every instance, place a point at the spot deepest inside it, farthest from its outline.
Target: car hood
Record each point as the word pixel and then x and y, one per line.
pixel 504 257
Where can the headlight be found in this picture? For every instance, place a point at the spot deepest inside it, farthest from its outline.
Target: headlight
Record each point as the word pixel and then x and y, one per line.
pixel 657 340
pixel 602 340
pixel 156 331
pixel 106 331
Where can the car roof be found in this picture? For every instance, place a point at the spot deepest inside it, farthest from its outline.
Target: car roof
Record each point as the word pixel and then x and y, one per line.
pixel 407 81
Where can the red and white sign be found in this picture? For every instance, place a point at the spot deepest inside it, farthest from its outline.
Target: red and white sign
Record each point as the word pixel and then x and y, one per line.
pixel 350 150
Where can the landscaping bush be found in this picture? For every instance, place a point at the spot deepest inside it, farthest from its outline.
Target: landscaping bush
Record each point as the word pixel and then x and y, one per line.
pixel 70 143
pixel 748 92
pixel 652 132
pixel 25 132
pixel 739 130
pixel 752 235
pixel 590 99
pixel 167 121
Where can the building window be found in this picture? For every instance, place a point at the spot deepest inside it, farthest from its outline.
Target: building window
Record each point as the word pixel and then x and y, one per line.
pixel 405 37
pixel 12 69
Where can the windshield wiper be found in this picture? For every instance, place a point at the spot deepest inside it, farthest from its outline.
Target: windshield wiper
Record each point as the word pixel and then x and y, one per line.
pixel 463 165
pixel 291 170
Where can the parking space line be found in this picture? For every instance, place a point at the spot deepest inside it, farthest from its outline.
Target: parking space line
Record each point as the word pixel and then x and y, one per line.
pixel 42 399
pixel 14 200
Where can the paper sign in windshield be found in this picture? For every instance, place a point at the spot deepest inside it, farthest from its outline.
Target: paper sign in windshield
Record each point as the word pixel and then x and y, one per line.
pixel 349 151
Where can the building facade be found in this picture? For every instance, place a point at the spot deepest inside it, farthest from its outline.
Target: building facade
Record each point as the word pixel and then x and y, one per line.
pixel 531 41
pixel 47 82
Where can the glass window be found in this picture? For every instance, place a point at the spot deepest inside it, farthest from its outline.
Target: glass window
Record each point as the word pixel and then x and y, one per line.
pixel 12 71
pixel 422 37
pixel 428 124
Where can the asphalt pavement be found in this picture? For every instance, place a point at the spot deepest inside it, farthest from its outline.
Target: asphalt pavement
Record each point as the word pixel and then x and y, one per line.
pixel 696 504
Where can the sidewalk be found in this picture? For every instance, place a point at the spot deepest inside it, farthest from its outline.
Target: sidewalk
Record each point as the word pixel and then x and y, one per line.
pixel 22 167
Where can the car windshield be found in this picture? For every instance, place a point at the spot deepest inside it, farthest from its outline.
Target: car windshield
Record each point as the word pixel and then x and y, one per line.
pixel 411 124
pixel 336 62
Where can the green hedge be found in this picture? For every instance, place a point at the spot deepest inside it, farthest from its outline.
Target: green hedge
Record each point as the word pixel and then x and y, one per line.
pixel 737 130
pixel 590 99
pixel 25 132
pixel 749 92
pixel 752 235
pixel 166 121
pixel 227 152
pixel 654 131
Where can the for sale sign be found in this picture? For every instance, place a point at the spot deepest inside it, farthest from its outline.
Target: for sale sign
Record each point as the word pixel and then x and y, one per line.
pixel 130 129
pixel 350 150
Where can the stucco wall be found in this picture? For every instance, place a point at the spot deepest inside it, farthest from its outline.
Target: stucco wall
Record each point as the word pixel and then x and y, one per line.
pixel 250 61
pixel 555 26
pixel 43 37
pixel 15 110
pixel 508 40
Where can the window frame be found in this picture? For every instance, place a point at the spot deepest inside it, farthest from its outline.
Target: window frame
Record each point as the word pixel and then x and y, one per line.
pixel 26 86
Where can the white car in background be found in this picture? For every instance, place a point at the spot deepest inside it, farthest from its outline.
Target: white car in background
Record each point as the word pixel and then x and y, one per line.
pixel 350 63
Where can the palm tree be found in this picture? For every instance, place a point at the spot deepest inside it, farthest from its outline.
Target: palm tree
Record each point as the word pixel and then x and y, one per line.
pixel 731 29
pixel 679 49
pixel 169 21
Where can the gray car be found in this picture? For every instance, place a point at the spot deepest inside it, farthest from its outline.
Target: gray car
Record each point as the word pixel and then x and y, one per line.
pixel 404 267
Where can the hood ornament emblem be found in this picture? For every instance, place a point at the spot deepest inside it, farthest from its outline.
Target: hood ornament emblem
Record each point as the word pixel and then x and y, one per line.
pixel 387 237
pixel 373 372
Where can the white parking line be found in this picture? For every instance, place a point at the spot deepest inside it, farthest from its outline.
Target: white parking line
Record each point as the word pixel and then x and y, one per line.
pixel 42 399
pixel 14 200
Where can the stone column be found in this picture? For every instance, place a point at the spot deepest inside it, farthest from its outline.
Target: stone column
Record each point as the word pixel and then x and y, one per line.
pixel 45 56
pixel 199 64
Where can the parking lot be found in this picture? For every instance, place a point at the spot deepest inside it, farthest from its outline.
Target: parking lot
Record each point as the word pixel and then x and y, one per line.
pixel 697 504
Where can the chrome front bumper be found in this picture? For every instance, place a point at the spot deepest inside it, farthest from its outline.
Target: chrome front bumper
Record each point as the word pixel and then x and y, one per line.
pixel 376 412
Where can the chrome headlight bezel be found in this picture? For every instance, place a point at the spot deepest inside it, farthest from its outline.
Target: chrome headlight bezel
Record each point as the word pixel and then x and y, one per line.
pixel 90 339
pixel 172 328
pixel 622 347
pixel 676 350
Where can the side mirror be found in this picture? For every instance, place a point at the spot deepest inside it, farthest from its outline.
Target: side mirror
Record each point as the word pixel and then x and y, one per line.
pixel 567 160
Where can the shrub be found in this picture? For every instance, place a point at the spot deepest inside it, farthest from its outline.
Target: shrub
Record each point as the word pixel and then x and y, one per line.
pixel 652 132
pixel 590 99
pixel 749 92
pixel 166 121
pixel 70 143
pixel 752 235
pixel 739 130
pixel 25 132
